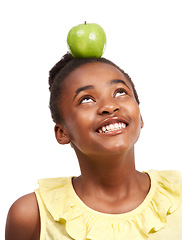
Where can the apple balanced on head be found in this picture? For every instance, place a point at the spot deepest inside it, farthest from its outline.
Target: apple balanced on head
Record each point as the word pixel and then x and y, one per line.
pixel 86 40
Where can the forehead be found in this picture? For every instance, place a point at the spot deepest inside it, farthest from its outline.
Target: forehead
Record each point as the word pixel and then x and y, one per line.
pixel 94 73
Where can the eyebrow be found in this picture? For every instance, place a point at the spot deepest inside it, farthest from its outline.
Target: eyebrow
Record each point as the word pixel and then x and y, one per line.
pixel 82 89
pixel 112 82
pixel 115 81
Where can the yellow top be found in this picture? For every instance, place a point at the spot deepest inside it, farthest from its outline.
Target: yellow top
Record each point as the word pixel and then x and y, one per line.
pixel 65 216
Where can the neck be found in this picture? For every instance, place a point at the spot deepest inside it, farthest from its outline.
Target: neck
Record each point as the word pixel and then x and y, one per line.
pixel 111 173
pixel 111 184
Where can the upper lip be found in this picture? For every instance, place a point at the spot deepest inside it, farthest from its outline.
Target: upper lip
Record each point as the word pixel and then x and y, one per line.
pixel 111 120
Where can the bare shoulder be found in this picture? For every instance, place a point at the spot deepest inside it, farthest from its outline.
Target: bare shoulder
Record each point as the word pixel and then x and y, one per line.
pixel 23 220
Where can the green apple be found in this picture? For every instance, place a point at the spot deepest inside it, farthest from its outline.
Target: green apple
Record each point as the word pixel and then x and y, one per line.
pixel 86 40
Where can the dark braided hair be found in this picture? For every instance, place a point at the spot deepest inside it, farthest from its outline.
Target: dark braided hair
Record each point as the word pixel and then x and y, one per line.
pixel 61 70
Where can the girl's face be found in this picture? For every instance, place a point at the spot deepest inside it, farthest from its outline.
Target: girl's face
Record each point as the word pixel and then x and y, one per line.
pixel 101 115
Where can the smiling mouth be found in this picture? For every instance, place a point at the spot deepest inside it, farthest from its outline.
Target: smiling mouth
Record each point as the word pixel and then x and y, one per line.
pixel 112 127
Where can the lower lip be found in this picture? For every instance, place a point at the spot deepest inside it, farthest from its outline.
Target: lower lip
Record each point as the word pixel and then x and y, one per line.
pixel 113 132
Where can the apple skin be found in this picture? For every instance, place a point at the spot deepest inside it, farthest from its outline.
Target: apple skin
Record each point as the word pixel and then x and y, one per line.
pixel 86 40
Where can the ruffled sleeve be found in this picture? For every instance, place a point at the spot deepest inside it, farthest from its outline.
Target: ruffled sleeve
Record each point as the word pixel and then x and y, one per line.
pixel 81 222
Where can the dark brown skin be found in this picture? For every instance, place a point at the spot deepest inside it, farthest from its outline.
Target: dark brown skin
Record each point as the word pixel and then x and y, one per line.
pixel 23 221
pixel 109 182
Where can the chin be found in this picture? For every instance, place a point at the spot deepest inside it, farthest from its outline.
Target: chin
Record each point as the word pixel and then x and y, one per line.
pixel 117 149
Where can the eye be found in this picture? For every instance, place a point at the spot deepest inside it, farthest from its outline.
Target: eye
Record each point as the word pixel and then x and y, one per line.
pixel 86 99
pixel 120 92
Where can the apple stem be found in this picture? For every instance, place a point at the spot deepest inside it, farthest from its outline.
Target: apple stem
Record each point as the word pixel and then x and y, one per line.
pixel 85 22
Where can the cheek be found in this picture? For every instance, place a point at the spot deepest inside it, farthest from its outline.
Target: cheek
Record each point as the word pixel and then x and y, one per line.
pixel 136 119
pixel 80 131
pixel 137 127
pixel 79 124
pixel 134 111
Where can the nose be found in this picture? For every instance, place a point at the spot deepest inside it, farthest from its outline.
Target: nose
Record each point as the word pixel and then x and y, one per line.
pixel 108 107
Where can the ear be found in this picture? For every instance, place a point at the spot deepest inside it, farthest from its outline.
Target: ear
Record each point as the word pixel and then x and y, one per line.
pixel 142 122
pixel 61 134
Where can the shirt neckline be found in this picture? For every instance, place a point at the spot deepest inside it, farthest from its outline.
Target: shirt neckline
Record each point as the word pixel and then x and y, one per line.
pixel 126 215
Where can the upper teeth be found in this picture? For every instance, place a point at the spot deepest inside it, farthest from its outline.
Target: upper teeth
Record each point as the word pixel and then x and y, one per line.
pixel 110 127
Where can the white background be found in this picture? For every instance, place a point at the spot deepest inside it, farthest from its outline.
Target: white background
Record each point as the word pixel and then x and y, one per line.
pixel 143 37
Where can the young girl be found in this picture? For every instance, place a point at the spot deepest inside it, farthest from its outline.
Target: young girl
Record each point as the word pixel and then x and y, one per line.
pixel 96 109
